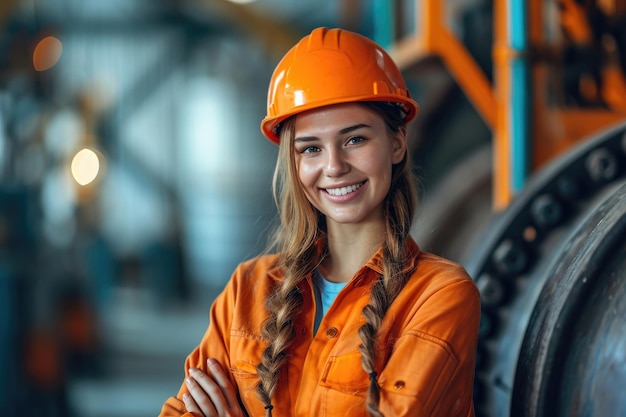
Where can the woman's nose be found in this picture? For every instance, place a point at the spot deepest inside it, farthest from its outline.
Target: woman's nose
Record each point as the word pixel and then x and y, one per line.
pixel 336 163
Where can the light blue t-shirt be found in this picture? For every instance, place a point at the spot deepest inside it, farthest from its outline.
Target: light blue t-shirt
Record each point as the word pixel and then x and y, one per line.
pixel 325 294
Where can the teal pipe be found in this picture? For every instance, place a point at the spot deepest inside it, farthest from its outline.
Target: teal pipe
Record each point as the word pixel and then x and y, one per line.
pixel 384 22
pixel 519 105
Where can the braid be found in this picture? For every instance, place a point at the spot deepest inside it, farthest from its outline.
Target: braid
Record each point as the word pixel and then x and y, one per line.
pixel 283 305
pixel 399 209
pixel 384 291
pixel 374 313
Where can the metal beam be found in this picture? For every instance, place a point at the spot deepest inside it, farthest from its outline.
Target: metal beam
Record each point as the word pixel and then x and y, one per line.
pixel 277 36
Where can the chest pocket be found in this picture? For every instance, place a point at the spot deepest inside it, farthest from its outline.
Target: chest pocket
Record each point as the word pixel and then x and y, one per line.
pixel 420 369
pixel 345 373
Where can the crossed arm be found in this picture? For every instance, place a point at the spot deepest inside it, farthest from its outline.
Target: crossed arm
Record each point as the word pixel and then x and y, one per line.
pixel 211 393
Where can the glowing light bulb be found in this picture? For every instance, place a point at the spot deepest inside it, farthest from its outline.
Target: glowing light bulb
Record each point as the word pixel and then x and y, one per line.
pixel 85 166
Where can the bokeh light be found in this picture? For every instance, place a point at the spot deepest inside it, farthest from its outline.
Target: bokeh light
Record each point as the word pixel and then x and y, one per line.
pixel 47 53
pixel 85 166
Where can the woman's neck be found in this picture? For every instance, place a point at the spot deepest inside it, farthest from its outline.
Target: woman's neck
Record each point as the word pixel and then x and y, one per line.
pixel 349 247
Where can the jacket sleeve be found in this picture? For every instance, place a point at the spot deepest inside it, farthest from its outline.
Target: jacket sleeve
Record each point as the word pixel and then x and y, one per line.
pixel 431 368
pixel 214 344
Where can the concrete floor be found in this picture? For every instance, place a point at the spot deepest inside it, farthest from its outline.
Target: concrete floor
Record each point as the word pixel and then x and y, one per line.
pixel 146 348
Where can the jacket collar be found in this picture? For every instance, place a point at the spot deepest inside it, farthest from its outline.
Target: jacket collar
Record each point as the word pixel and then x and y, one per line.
pixel 375 263
pixel 411 252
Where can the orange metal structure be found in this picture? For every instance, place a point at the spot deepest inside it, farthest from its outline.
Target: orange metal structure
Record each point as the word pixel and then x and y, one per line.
pixel 553 128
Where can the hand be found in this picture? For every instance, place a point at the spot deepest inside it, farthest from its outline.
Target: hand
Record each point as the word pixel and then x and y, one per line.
pixel 212 393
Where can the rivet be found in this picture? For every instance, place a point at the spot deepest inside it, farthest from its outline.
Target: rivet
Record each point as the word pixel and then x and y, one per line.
pixel 509 258
pixel 332 332
pixel 602 165
pixel 399 385
pixel 546 211
pixel 492 291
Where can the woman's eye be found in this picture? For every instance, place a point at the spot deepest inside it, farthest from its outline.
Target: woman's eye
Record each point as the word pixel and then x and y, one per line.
pixel 310 149
pixel 356 139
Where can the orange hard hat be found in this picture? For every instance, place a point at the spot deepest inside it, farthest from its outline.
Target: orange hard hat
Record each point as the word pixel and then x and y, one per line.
pixel 331 66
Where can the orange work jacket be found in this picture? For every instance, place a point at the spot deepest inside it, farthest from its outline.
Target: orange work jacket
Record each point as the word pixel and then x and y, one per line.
pixel 427 344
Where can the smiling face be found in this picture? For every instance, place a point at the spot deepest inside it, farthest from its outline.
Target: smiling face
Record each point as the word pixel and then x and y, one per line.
pixel 344 155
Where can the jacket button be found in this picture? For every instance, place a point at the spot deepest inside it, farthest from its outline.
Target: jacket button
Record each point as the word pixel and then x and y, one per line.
pixel 332 332
pixel 398 385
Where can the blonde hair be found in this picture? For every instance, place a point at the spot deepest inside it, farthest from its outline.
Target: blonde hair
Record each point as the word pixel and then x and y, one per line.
pixel 301 227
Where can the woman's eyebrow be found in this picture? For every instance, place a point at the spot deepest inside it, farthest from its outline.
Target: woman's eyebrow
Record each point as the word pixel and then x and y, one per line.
pixel 306 139
pixel 352 128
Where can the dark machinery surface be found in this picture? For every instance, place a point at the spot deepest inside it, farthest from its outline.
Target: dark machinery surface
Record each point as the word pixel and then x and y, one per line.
pixel 550 271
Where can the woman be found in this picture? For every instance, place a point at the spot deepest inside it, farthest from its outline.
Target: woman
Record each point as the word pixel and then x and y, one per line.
pixel 348 317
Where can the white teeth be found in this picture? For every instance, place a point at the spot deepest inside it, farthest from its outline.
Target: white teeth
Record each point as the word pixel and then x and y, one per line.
pixel 343 190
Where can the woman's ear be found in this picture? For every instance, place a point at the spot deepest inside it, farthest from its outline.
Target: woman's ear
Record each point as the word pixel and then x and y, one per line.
pixel 399 143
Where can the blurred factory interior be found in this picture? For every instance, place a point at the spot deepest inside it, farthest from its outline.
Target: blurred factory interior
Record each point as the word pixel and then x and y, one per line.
pixel 134 177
